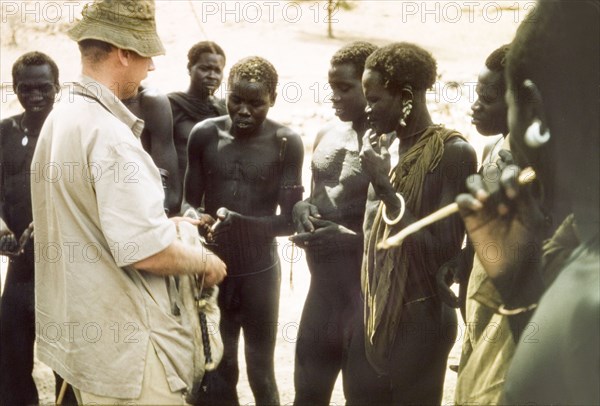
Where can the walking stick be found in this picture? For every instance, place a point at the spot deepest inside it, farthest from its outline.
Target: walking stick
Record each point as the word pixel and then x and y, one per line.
pixel 61 394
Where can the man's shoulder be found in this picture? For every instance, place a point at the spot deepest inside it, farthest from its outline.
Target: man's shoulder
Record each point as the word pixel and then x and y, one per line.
pixel 152 97
pixel 218 123
pixel 454 139
pixel 90 119
pixel 278 129
pixel 11 122
pixel 335 127
pixel 210 126
pixel 448 134
pixel 457 149
pixel 9 125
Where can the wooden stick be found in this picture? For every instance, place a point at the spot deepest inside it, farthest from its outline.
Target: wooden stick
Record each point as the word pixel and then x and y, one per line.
pixel 61 395
pixel 526 176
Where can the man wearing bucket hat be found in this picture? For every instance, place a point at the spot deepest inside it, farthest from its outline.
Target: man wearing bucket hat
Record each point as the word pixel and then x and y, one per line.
pixel 103 242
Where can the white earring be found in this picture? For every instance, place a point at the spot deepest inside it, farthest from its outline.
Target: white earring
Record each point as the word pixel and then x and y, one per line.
pixel 406 109
pixel 534 137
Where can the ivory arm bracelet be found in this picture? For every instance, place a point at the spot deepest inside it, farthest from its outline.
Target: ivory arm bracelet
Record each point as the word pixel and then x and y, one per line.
pixel 400 215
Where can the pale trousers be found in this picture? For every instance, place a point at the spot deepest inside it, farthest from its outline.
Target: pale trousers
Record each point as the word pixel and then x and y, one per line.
pixel 155 389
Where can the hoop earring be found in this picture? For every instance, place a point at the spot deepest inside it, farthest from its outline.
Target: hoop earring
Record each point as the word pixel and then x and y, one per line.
pixel 534 138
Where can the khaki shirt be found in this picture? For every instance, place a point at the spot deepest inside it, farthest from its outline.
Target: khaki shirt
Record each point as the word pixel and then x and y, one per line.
pixel 97 209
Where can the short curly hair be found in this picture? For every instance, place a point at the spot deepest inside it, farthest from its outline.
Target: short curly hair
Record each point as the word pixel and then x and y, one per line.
pixel 355 54
pixel 33 59
pixel 255 69
pixel 203 47
pixel 404 63
pixel 496 61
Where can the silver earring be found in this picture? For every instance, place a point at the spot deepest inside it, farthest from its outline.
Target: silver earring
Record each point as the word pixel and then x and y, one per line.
pixel 406 109
pixel 534 137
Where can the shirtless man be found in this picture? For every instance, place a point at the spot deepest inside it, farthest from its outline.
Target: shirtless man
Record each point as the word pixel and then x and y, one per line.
pixel 157 140
pixel 206 61
pixel 329 226
pixel 409 331
pixel 35 79
pixel 244 165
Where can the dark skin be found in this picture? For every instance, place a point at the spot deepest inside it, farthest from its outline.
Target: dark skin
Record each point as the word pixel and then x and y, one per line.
pixel 490 109
pixel 490 118
pixel 36 89
pixel 499 209
pixel 420 380
pixel 349 103
pixel 206 75
pixel 157 140
pixel 247 140
pixel 205 78
pixel 377 163
pixel 243 166
pixel 329 225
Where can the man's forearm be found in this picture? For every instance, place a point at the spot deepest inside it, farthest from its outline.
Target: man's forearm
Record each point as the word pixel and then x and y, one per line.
pixel 178 259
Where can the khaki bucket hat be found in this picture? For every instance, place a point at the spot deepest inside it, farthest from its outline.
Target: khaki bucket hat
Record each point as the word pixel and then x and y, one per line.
pixel 126 24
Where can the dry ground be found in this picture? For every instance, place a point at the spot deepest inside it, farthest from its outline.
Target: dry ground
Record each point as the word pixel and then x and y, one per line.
pixel 292 35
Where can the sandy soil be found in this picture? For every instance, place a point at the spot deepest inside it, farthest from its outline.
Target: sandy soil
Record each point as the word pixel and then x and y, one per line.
pixel 292 35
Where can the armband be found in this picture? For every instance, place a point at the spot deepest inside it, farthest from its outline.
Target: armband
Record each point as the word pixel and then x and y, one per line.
pixel 400 215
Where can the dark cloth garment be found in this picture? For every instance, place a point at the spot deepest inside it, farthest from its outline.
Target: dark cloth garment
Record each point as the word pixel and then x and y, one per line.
pixel 557 360
pixel 17 314
pixel 393 278
pixel 416 364
pixel 408 331
pixel 185 106
pixel 187 111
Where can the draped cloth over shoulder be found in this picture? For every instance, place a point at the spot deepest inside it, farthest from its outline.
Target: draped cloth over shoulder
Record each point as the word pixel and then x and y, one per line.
pixel 196 108
pixel 384 272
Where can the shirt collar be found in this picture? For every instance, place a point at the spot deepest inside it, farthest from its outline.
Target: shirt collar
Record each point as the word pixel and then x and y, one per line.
pixel 90 88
